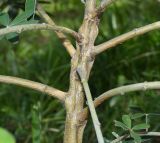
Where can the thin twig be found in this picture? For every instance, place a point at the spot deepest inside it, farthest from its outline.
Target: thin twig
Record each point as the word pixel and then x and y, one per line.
pixel 92 108
pixel 120 91
pixel 103 5
pixel 43 26
pixel 121 138
pixel 151 134
pixel 66 43
pixel 33 85
pixel 122 38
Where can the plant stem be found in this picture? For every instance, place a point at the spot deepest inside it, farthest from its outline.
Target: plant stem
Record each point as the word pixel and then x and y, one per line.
pixel 124 37
pixel 66 42
pixel 121 138
pixel 34 85
pixel 43 26
pixel 121 91
pixel 117 140
pixel 92 109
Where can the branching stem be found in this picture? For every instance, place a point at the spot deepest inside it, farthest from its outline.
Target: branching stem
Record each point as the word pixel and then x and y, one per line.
pixel 121 138
pixel 121 91
pixel 104 4
pixel 66 43
pixel 95 120
pixel 122 38
pixel 33 85
pixel 43 26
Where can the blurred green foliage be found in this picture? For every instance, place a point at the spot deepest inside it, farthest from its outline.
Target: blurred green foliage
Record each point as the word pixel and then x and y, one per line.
pixel 40 56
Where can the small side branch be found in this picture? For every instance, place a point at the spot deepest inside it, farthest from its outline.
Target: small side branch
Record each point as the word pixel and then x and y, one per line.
pixel 156 134
pixel 43 26
pixel 66 43
pixel 104 4
pixel 33 85
pixel 91 108
pixel 125 89
pixel 122 38
pixel 121 138
pixel 121 91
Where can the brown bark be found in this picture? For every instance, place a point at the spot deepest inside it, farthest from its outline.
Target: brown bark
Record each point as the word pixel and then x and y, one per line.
pixel 66 42
pixel 84 61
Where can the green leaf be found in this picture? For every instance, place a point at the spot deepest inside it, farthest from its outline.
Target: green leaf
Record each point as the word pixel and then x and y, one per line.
pixel 6 137
pixel 141 126
pixel 121 125
pixel 137 115
pixel 127 120
pixel 29 11
pixel 30 7
pixel 32 21
pixel 4 19
pixel 136 137
pixel 11 36
pixel 19 19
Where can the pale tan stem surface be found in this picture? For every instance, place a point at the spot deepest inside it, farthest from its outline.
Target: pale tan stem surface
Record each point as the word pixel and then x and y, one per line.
pixel 121 138
pixel 66 43
pixel 106 3
pixel 82 58
pixel 34 85
pixel 121 91
pixel 43 26
pixel 122 38
pixel 92 109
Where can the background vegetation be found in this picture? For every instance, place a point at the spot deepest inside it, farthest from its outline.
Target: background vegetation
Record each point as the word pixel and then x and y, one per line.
pixel 41 57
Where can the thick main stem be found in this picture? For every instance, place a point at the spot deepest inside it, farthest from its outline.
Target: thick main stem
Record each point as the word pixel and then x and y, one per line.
pixel 83 60
pixel 74 103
